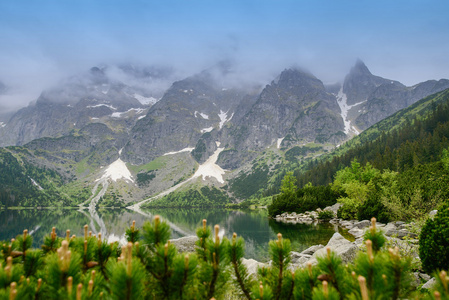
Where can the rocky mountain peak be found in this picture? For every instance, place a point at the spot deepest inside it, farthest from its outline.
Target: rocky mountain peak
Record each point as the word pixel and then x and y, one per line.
pixel 360 68
pixel 296 81
pixel 359 84
pixel 98 75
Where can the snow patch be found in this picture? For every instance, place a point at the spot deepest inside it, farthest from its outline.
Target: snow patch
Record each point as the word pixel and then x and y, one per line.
pixel 224 118
pixel 2 124
pixel 279 142
pixel 98 105
pixel 120 114
pixel 204 116
pixel 95 118
pixel 344 107
pixel 117 170
pixel 210 168
pixel 209 129
pixel 145 100
pixel 182 150
pixel 141 117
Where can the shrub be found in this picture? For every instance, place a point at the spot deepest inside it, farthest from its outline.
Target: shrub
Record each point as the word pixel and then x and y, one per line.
pixel 373 208
pixel 434 241
pixel 89 268
pixel 347 212
pixel 325 215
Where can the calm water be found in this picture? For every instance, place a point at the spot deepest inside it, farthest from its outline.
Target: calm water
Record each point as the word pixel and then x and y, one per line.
pixel 253 226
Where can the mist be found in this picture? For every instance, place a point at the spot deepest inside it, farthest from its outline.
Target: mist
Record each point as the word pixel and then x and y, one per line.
pixel 46 42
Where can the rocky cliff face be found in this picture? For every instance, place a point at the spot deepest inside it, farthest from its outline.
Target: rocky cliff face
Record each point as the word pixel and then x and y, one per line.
pixel 90 121
pixel 74 104
pixel 374 98
pixel 293 109
pixel 359 84
pixel 190 109
pixel 95 142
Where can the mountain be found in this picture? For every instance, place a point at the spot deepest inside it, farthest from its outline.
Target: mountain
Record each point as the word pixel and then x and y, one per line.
pixel 412 136
pixel 372 98
pixel 190 108
pixel 294 109
pixel 80 100
pixel 96 132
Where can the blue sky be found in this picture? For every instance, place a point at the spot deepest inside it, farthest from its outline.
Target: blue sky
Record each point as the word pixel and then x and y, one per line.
pixel 44 40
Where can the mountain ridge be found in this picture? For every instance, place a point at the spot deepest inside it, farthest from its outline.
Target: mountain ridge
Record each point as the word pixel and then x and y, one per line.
pixel 295 117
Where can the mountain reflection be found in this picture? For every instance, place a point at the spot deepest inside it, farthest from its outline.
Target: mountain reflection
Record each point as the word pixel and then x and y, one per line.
pixel 253 225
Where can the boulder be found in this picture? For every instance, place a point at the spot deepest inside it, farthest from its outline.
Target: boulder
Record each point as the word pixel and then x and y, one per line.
pixel 362 224
pixel 334 208
pixel 252 265
pixel 347 224
pixel 400 233
pixel 299 258
pixel 311 250
pixel 429 284
pixel 424 277
pixel 356 232
pixel 185 244
pixel 342 247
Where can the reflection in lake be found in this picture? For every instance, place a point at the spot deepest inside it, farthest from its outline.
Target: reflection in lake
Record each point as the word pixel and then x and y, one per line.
pixel 253 225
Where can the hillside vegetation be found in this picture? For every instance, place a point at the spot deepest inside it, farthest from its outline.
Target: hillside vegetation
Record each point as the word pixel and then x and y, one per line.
pixel 400 175
pixel 23 183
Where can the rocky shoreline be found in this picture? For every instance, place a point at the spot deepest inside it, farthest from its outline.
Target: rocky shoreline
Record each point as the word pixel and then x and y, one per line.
pixel 397 233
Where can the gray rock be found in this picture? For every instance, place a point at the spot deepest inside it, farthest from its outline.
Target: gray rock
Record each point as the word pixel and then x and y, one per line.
pixel 299 258
pixel 346 224
pixel 424 277
pixel 345 249
pixel 356 232
pixel 334 208
pixel 362 224
pixel 389 226
pixel 311 250
pixel 400 233
pixel 185 244
pixel 429 284
pixel 253 265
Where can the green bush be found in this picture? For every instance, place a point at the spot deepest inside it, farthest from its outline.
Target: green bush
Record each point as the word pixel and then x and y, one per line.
pixel 373 208
pixel 434 241
pixel 301 200
pixel 325 215
pixel 347 212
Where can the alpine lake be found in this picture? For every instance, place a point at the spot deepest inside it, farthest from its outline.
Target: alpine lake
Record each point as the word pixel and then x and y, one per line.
pixel 253 225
